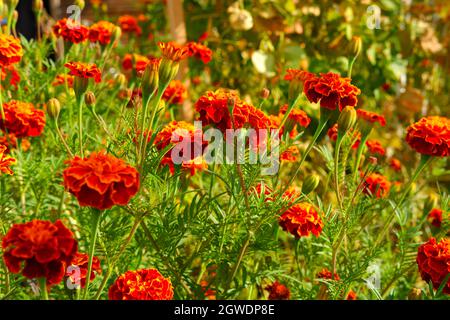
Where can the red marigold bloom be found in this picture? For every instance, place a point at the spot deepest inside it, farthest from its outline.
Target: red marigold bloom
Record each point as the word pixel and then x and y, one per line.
pixel 291 154
pixel 199 51
pixel 101 32
pixel 10 74
pixel 297 116
pixel 371 117
pixel 377 185
pixel 175 93
pixel 138 61
pixel 173 51
pixel 298 75
pixel 101 180
pixel 375 146
pixel 22 119
pixel 326 274
pixel 395 164
pixel 258 190
pixel 333 133
pixel 144 284
pixel 352 295
pixel 278 291
pixel 195 165
pixel 331 90
pixel 44 248
pixel 300 220
pixel 435 216
pixel 5 161
pixel 61 80
pixel 84 70
pixel 10 50
pixel 129 24
pixel 70 30
pixel 210 294
pixel 81 261
pixel 430 136
pixel 433 260
pixel 213 109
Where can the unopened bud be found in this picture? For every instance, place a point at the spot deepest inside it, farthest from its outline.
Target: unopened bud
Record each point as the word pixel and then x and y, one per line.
pixel 90 99
pixel 347 119
pixel 121 80
pixel 415 294
pixel 53 108
pixel 116 34
pixel 150 79
pixel 12 4
pixel 80 3
pixel 265 93
pixel 356 45
pixel 38 6
pixel 310 184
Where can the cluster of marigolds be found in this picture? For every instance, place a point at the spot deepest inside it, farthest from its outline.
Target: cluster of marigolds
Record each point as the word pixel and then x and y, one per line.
pixel 44 250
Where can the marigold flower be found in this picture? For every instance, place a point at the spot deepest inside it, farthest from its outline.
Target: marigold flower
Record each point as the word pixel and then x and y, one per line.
pixel 84 70
pixel 430 136
pixel 199 51
pixel 258 190
pixel 5 161
pixel 278 291
pixel 101 180
pixel 129 24
pixel 291 154
pixel 195 165
pixel 81 261
pixel 10 50
pixel 352 295
pixel 433 260
pixel 138 61
pixel 144 284
pixel 375 146
pixel 331 90
pixel 210 294
pixel 298 117
pixel 298 75
pixel 173 51
pixel 435 216
pixel 371 117
pixel 333 133
pixel 175 93
pixel 300 220
pixel 70 30
pixel 326 274
pixel 44 248
pixel 62 79
pixel 395 164
pixel 10 74
pixel 377 185
pixel 101 32
pixel 22 119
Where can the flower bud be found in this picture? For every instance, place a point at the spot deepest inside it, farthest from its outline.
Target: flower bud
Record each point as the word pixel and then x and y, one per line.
pixel 415 294
pixel 356 46
pixel 90 99
pixel 80 3
pixel 116 34
pixel 12 4
pixel 80 86
pixel 347 119
pixel 265 93
pixel 150 80
pixel 38 6
pixel 430 202
pixel 168 69
pixel 121 80
pixel 53 108
pixel 310 184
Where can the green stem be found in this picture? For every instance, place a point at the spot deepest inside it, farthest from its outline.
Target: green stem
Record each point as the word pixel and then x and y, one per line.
pixel 361 146
pixel 80 124
pixel 336 168
pixel 43 286
pixel 94 232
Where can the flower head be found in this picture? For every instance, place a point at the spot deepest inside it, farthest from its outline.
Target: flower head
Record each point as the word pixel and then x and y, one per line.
pixel 291 154
pixel 331 90
pixel 70 30
pixel 144 284
pixel 175 93
pixel 377 185
pixel 430 136
pixel 101 32
pixel 5 161
pixel 22 119
pixel 371 117
pixel 10 50
pixel 435 216
pixel 84 70
pixel 135 60
pixel 10 74
pixel 298 75
pixel 300 220
pixel 395 164
pixel 129 24
pixel 375 146
pixel 62 79
pixel 39 249
pixel 333 133
pixel 173 51
pixel 296 116
pixel 101 180
pixel 278 291
pixel 327 274
pixel 81 261
pixel 433 260
pixel 199 51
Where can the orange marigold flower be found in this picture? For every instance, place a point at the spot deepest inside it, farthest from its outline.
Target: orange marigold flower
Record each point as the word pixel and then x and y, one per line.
pixel 129 24
pixel 296 116
pixel 331 90
pixel 143 284
pixel 371 117
pixel 84 70
pixel 298 75
pixel 10 142
pixel 433 260
pixel 101 32
pixel 300 220
pixel 22 119
pixel 81 261
pixel 377 185
pixel 278 291
pixel 258 190
pixel 173 51
pixel 195 165
pixel 10 50
pixel 138 61
pixel 430 136
pixel 199 51
pixel 352 295
pixel 333 133
pixel 326 274
pixel 10 74
pixel 375 146
pixel 70 30
pixel 291 154
pixel 61 80
pixel 395 164
pixel 210 294
pixel 435 216
pixel 44 248
pixel 101 180
pixel 175 93
pixel 5 161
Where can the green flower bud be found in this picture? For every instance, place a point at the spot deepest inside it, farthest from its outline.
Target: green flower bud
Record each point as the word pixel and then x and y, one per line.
pixel 53 108
pixel 347 119
pixel 310 184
